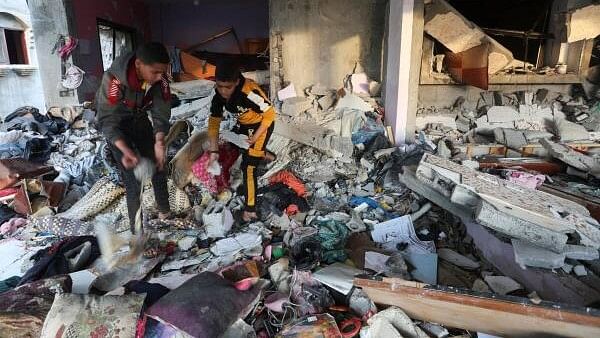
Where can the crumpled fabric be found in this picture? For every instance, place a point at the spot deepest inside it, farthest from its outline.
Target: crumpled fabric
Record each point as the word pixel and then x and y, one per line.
pixel 216 184
pixel 6 213
pixel 332 235
pixel 29 119
pixel 357 200
pixel 287 178
pixel 277 197
pixel 53 261
pixel 10 227
pixel 526 179
pixel 9 283
pixel 352 121
pixel 369 130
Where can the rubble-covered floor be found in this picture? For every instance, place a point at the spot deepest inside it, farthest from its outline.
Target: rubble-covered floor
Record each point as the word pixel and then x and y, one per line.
pixel 340 201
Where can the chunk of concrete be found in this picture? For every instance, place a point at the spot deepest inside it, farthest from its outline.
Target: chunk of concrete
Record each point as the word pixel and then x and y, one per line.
pixel 313 135
pixel 515 227
pixel 581 252
pixel 583 23
pixel 457 259
pixel 502 114
pixel 580 161
pixel 570 131
pixel 455 32
pixel 580 270
pixel 326 102
pixel 502 285
pixel 480 286
pixel 319 89
pixel 530 255
pixel 294 106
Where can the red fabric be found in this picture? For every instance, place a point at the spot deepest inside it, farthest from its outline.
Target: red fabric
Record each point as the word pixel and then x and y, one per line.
pixel 8 191
pixel 292 209
pixel 114 91
pixel 290 180
pixel 216 184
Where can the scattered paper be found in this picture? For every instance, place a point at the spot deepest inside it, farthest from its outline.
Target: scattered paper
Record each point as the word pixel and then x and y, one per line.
pixel 360 83
pixel 239 140
pixel 400 230
pixel 82 281
pixel 338 276
pixel 287 92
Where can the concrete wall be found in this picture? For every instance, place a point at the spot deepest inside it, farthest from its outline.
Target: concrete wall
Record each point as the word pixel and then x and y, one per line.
pixel 446 95
pixel 322 39
pixel 49 20
pixel 83 15
pixel 16 90
pixel 184 23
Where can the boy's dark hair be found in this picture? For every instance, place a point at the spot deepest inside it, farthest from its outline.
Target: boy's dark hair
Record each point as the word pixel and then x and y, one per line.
pixel 153 52
pixel 227 70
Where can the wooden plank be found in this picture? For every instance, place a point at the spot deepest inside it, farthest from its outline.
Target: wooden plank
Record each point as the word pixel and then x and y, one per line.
pixel 472 149
pixel 586 56
pixel 505 316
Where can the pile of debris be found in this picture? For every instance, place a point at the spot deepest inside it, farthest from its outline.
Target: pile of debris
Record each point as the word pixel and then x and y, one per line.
pixel 345 218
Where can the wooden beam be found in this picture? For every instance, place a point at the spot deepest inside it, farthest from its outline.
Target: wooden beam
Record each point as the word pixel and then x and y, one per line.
pixel 502 316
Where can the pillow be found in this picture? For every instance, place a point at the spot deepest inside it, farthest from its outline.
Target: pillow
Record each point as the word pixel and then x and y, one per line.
pixel 23 309
pixel 204 306
pixel 74 315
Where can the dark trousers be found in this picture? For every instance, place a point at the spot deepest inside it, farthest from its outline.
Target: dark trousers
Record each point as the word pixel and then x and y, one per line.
pixel 251 158
pixel 140 137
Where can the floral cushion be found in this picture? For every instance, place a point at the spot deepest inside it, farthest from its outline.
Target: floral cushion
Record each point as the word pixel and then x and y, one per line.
pixel 74 316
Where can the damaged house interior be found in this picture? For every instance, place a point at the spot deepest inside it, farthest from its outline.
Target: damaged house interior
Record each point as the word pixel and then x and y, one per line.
pixel 299 168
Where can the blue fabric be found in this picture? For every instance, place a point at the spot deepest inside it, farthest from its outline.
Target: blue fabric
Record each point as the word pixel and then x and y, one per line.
pixel 356 201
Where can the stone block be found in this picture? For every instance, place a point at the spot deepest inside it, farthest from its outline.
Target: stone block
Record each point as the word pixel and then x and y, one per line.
pixel 294 106
pixel 530 255
pixel 581 252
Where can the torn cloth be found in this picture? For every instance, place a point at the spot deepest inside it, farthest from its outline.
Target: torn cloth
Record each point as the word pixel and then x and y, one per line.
pixel 277 197
pixel 215 184
pixel 12 225
pixel 69 255
pixel 290 180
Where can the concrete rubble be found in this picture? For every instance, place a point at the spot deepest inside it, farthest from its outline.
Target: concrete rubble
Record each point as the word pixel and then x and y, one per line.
pixel 340 200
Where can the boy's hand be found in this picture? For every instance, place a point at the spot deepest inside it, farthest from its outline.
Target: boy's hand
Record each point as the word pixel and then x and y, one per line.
pixel 129 160
pixel 251 140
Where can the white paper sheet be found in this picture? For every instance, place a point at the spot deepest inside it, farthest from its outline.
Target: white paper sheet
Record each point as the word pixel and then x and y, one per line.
pixel 400 230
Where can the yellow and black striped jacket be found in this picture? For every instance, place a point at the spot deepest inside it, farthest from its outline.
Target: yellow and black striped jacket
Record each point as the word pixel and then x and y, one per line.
pixel 248 104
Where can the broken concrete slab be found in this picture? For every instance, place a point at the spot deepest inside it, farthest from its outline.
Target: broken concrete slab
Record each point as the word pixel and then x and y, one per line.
pixel 581 252
pixel 583 23
pixel 529 214
pixel 573 158
pixel 502 114
pixel 455 32
pixel 187 90
pixel 580 270
pixel 326 102
pixel 294 106
pixel 313 135
pixel 480 286
pixel 502 284
pixel 493 218
pixel 457 259
pixel 530 255
pixel 549 285
pixel 569 131
pixel 352 101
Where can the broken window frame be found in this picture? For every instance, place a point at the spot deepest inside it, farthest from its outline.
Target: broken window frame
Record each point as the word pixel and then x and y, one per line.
pixel 116 30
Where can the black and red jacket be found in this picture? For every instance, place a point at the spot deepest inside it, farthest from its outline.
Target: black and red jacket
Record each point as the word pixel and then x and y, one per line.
pixel 121 97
